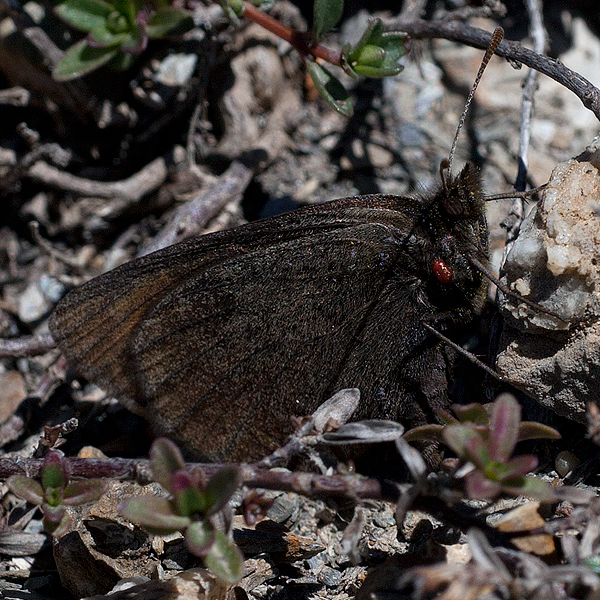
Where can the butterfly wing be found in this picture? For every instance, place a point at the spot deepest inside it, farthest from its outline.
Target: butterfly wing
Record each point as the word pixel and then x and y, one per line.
pixel 219 340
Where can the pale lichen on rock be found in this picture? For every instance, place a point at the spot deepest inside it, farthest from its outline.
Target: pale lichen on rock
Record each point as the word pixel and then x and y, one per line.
pixel 555 262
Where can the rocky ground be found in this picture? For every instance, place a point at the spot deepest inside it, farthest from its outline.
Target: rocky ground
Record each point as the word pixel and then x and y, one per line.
pixel 225 118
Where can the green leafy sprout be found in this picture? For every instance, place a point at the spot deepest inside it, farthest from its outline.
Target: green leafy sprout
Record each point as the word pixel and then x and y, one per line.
pixel 117 31
pixel 376 54
pixel 56 492
pixel 485 437
pixel 193 508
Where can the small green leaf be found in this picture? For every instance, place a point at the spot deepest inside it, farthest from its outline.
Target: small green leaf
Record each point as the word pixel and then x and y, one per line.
pixel 153 514
pixel 53 471
pixel 445 417
pixel 331 89
pixel 117 23
pixel 84 15
pixel 54 496
pixel 128 8
pixel 530 430
pixel 371 35
pixel 371 56
pixel 84 491
pixel 199 537
pixel 326 14
pixel 220 487
pixel 80 59
pixel 27 488
pixel 102 37
pixel 534 488
pixel 168 20
pixel 377 53
pixel 424 432
pixel 225 560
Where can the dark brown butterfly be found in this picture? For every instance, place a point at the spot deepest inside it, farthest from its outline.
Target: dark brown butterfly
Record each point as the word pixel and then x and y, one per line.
pixel 220 340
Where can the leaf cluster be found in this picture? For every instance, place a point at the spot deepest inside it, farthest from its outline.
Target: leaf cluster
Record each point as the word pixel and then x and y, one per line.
pixel 196 508
pixel 484 438
pixel 55 492
pixel 375 55
pixel 117 31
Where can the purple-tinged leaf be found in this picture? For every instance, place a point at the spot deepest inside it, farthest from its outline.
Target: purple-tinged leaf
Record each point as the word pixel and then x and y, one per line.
pixel 166 459
pixel 56 523
pixel 199 537
pixel 458 436
pixel 476 450
pixel 53 514
pixel 225 560
pixel 136 41
pixel 53 471
pixel 504 427
pixel 471 413
pixel 530 430
pixel 424 432
pixel 220 487
pixel 478 487
pixel 84 491
pixel 520 466
pixel 153 514
pixel 26 488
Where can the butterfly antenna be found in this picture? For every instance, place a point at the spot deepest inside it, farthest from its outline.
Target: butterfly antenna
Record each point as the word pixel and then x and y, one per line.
pixel 495 42
pixel 465 353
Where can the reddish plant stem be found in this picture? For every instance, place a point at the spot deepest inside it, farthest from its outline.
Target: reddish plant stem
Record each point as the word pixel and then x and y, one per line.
pixel 300 41
pixel 308 484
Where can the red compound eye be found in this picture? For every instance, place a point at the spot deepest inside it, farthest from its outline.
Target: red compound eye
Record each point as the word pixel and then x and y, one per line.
pixel 442 271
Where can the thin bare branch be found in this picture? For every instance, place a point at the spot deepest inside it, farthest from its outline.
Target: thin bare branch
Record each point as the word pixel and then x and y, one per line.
pixel 513 51
pixel 26 346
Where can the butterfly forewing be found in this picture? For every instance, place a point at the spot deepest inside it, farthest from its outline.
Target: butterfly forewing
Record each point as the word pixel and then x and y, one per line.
pixel 219 340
